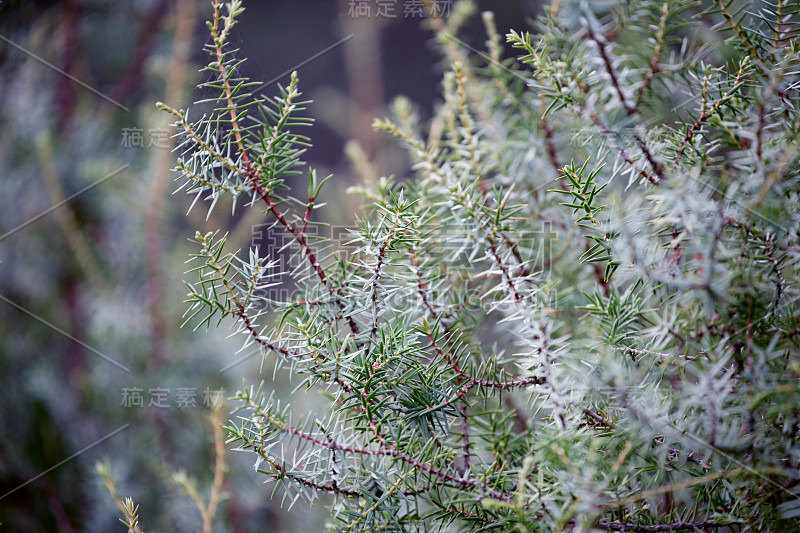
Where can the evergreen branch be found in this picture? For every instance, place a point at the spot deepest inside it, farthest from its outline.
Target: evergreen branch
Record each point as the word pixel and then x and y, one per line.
pixel 602 47
pixel 220 39
pixel 367 512
pixel 328 442
pixel 740 32
pixel 486 490
pixel 130 512
pixel 192 134
pixel 711 111
pixel 282 472
pixel 426 426
pixel 655 68
pixel 510 384
pixel 640 352
pixel 676 526
pixel 631 110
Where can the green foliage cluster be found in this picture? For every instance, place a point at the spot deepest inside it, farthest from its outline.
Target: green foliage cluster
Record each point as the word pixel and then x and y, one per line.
pixel 578 312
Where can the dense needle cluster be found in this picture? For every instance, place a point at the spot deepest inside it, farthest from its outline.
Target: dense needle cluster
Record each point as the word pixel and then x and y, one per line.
pixel 579 310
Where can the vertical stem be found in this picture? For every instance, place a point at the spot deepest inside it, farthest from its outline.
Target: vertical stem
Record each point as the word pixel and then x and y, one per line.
pixel 219 467
pixel 185 17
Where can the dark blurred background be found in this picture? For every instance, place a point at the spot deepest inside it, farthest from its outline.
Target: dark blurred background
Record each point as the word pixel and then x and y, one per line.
pixel 93 244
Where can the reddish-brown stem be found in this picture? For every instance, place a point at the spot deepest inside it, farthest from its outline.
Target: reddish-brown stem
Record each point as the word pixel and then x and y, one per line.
pixel 606 131
pixel 281 472
pixel 253 174
pixel 654 67
pixel 464 434
pixel 427 467
pixel 328 443
pixel 259 339
pixel 307 215
pixel 506 274
pixel 742 35
pixel 376 274
pixel 601 43
pixel 512 384
pixel 469 515
pixel 705 115
pixel 552 154
pixel 609 66
pixel 298 235
pixel 422 285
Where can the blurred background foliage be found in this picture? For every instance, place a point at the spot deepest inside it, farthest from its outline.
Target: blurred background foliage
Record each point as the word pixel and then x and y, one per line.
pixel 92 246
